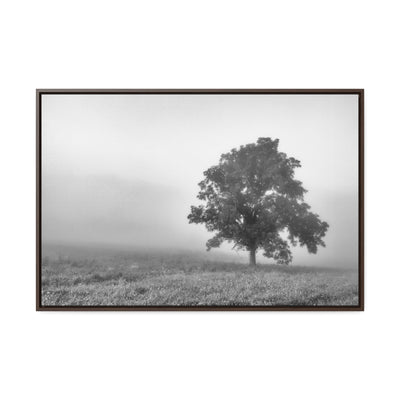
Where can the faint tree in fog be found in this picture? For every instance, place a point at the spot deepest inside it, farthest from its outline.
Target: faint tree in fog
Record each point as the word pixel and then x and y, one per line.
pixel 251 197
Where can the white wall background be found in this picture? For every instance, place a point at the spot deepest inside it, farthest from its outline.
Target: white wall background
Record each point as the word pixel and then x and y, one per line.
pixel 180 44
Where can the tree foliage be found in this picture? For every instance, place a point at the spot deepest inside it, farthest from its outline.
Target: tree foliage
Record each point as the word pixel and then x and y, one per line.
pixel 251 197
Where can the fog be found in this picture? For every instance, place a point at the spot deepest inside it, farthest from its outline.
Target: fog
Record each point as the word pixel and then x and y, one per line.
pixel 122 170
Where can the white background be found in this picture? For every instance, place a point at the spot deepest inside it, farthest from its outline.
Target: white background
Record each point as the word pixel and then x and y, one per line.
pixel 208 44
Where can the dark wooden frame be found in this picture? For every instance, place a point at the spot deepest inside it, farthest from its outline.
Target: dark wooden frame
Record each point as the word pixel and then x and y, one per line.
pixel 359 92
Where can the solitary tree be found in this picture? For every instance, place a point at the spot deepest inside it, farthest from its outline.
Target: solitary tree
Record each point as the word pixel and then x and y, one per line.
pixel 252 197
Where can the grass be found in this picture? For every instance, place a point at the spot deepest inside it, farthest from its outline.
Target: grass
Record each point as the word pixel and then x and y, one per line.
pixel 190 281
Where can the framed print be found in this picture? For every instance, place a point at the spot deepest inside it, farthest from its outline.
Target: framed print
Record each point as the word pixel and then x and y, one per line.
pixel 200 199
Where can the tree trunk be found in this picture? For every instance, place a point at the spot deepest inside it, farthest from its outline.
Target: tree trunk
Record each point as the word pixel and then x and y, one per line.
pixel 252 257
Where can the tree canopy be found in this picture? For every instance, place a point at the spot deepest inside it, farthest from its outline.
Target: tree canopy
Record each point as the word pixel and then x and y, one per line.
pixel 251 197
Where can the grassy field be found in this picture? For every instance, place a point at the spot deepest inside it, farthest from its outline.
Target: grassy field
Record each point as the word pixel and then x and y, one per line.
pixel 190 281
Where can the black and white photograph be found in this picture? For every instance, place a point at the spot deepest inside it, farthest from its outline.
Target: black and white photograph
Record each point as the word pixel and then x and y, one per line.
pixel 200 200
pixel 216 199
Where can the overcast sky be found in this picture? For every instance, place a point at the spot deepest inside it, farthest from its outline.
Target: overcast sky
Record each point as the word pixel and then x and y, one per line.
pixel 123 169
